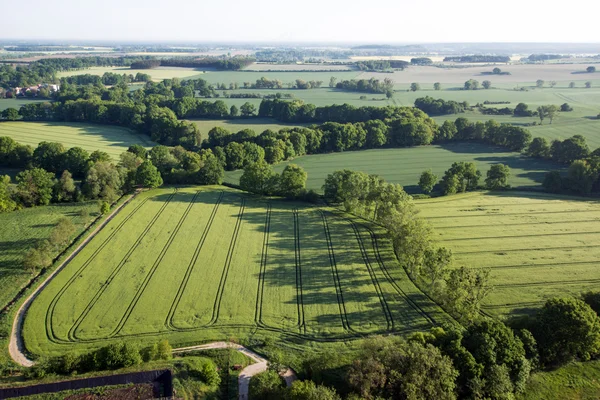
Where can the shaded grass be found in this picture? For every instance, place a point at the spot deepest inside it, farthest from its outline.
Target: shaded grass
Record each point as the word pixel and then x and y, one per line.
pixel 110 139
pixel 405 165
pixel 576 381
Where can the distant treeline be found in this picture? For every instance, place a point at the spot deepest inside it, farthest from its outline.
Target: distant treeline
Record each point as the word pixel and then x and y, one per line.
pixel 544 57
pixel 381 65
pixel 367 85
pixel 228 63
pixel 477 58
pixel 439 106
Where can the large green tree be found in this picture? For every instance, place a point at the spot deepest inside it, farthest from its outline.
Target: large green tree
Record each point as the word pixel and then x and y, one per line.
pixel 566 329
pixel 147 175
pixel 292 181
pixel 258 178
pixel 427 181
pixel 34 187
pixel 497 177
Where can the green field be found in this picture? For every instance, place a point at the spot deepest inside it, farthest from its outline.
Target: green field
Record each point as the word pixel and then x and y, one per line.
pixel 16 103
pixel 537 245
pixel 21 230
pixel 258 125
pixel 157 74
pixel 405 165
pixel 198 264
pixel 111 139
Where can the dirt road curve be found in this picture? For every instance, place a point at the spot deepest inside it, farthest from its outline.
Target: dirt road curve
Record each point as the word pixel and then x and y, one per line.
pixel 15 346
pixel 259 366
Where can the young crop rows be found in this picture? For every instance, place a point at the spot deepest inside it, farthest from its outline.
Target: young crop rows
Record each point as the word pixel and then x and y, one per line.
pixel 180 262
pixel 537 246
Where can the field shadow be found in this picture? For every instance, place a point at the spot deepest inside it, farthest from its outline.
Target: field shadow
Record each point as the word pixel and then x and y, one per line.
pixel 116 135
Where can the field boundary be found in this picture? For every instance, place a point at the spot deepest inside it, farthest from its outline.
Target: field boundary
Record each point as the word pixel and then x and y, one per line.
pixel 16 346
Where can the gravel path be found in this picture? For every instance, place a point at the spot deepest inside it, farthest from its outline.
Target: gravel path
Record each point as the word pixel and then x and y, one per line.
pixel 16 347
pixel 259 366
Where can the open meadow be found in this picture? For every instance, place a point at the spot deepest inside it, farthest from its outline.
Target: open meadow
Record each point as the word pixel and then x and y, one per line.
pixel 199 264
pixel 538 246
pixel 111 139
pixel 157 74
pixel 405 165
pixel 22 230
pixel 258 125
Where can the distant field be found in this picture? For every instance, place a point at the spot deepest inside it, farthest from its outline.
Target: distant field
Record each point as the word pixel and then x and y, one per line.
pixel 296 67
pixel 405 165
pixel 157 74
pixel 258 125
pixel 16 103
pixel 198 264
pixel 285 77
pixel 111 139
pixel 21 230
pixel 537 245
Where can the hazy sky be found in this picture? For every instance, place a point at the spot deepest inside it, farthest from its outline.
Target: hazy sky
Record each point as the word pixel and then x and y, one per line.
pixel 398 21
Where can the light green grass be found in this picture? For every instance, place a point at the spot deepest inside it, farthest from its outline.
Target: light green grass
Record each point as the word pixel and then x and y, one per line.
pixel 258 125
pixel 576 381
pixel 209 263
pixel 405 165
pixel 537 245
pixel 111 139
pixel 21 230
pixel 157 74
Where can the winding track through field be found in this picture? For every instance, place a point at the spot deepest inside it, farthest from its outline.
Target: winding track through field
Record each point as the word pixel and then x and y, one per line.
pixel 16 346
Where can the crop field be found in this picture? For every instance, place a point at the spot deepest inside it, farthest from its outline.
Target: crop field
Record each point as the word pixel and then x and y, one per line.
pixel 537 245
pixel 157 74
pixel 196 264
pixel 258 125
pixel 297 67
pixel 111 139
pixel 22 229
pixel 405 165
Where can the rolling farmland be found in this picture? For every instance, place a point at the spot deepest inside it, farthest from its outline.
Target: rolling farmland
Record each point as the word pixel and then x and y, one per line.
pixel 157 74
pixel 537 245
pixel 196 264
pixel 258 125
pixel 110 139
pixel 405 165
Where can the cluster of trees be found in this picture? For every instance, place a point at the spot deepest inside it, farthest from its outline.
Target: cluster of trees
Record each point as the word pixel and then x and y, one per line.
pixel 220 63
pixel 477 59
pixel 544 57
pixel 421 61
pixel 110 357
pixel 367 85
pixel 109 78
pixel 258 177
pixel 40 256
pixel 511 137
pixel 145 64
pixel 464 176
pixel 381 65
pixel 298 111
pixel 439 106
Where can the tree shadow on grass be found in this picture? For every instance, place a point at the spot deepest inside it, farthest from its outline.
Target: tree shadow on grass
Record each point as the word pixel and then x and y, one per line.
pixel 118 136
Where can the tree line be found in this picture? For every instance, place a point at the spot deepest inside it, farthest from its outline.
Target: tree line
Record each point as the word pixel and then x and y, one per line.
pixel 367 85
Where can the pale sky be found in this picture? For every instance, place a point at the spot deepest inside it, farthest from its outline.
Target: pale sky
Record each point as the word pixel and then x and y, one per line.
pixel 389 21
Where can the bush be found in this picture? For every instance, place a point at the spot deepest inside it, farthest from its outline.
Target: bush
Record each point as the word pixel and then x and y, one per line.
pixel 266 386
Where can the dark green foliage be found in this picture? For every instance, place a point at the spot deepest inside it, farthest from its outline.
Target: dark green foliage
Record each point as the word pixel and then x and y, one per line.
pixel 566 329
pixel 267 385
pixel 439 106
pixel 427 181
pixel 138 150
pixel 461 177
pixel 34 187
pixel 553 182
pixel 147 175
pixel 497 177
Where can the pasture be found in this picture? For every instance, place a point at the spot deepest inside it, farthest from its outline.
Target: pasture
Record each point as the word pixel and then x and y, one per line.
pixel 258 125
pixel 23 229
pixel 537 245
pixel 198 264
pixel 17 103
pixel 157 74
pixel 405 165
pixel 111 139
